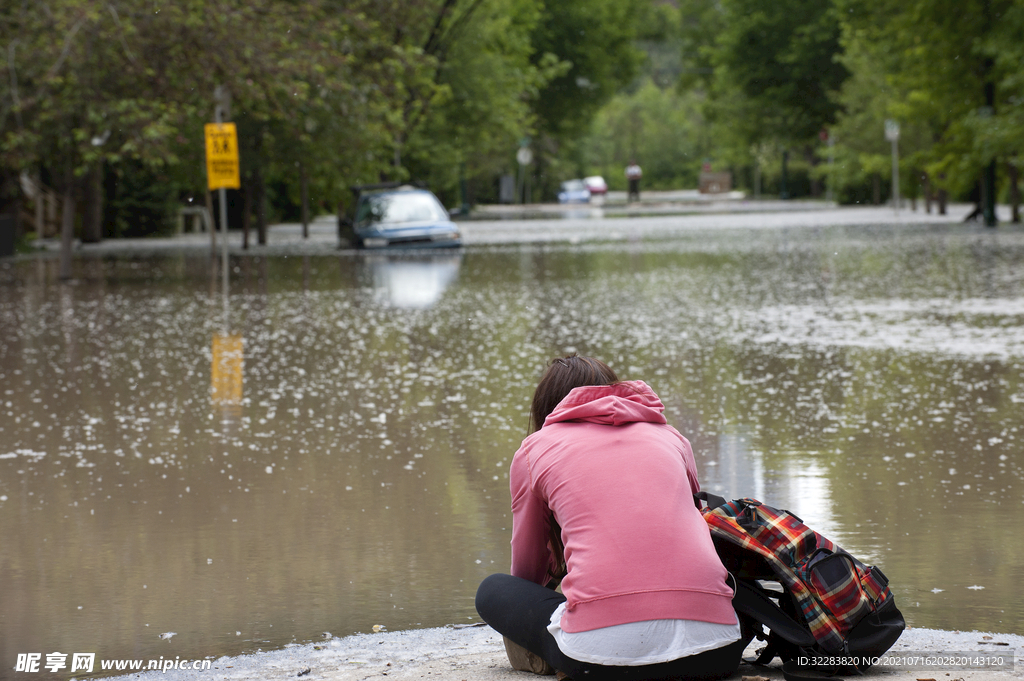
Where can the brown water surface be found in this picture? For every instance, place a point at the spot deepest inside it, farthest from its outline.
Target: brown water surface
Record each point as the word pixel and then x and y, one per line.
pixel 349 467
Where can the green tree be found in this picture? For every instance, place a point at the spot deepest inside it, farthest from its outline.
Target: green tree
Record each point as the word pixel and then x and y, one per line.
pixel 1005 132
pixel 129 84
pixel 80 106
pixel 488 81
pixel 314 106
pixel 325 94
pixel 862 167
pixel 956 68
pixel 593 40
pixel 662 128
pixel 700 23
pixel 775 72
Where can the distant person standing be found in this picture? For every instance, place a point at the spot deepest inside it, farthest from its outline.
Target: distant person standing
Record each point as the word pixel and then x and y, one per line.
pixel 633 175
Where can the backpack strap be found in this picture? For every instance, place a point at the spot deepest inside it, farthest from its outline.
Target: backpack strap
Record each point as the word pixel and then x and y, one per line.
pixel 712 500
pixel 752 601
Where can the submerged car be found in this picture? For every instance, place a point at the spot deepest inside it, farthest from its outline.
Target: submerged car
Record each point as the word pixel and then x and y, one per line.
pixel 574 191
pixel 596 185
pixel 403 216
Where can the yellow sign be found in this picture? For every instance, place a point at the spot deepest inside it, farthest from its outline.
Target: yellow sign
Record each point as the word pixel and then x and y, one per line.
pixel 226 371
pixel 222 156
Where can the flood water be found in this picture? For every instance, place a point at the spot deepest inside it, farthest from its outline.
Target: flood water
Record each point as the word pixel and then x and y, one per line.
pixel 326 448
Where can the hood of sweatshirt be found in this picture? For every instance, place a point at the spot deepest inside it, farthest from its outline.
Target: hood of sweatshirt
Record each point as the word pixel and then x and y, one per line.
pixel 610 405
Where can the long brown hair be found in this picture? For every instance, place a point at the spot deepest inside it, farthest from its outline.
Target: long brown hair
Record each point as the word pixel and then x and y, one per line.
pixel 562 375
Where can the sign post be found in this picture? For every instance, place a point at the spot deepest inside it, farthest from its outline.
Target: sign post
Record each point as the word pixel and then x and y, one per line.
pixel 524 157
pixel 892 133
pixel 222 173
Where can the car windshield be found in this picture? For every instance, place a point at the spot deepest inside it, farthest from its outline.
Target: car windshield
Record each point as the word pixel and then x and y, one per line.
pixel 400 207
pixel 573 186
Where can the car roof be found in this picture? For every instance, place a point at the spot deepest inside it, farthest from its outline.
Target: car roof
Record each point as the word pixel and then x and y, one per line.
pixel 404 189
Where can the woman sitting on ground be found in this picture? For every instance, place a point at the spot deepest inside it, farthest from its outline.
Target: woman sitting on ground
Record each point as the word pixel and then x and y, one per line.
pixel 602 500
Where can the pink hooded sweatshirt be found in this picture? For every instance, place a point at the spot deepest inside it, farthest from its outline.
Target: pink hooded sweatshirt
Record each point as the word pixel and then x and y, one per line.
pixel 620 482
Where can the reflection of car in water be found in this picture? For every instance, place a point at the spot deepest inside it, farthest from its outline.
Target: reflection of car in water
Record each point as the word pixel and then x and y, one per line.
pixel 574 191
pixel 398 216
pixel 413 281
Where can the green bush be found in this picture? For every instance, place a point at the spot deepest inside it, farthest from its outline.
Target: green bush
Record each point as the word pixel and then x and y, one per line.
pixel 140 201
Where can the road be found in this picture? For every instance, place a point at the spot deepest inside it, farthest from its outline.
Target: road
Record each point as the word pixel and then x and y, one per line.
pixel 552 223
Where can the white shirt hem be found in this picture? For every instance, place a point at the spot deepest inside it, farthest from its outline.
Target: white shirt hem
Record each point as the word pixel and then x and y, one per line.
pixel 636 644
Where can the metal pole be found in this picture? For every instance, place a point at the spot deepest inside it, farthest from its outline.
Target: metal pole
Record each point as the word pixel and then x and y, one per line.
pixel 892 133
pixel 895 177
pixel 219 116
pixel 304 181
pixel 224 242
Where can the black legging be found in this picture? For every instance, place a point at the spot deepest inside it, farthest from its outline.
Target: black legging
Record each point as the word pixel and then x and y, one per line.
pixel 521 611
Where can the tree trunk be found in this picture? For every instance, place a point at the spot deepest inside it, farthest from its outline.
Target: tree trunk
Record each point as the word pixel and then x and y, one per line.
pixel 988 177
pixel 942 198
pixel 92 219
pixel 261 208
pixel 784 193
pixel 812 159
pixel 10 205
pixel 978 197
pixel 926 183
pixel 246 214
pixel 259 190
pixel 67 232
pixel 1012 174
pixel 988 195
pixel 304 181
pixel 876 189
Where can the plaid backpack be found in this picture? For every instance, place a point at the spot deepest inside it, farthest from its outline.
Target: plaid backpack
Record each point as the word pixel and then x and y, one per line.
pixel 824 610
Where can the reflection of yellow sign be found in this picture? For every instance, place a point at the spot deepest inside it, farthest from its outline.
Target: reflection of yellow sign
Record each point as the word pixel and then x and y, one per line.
pixel 226 372
pixel 222 156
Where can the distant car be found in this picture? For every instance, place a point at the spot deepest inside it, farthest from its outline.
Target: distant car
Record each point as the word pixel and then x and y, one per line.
pixel 596 185
pixel 403 216
pixel 574 191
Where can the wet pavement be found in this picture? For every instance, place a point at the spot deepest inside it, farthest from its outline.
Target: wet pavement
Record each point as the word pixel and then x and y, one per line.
pixel 325 448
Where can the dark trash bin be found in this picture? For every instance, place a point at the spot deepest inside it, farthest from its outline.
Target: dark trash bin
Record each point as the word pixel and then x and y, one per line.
pixel 7 227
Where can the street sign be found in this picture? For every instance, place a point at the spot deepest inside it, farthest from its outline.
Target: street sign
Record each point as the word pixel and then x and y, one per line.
pixel 524 156
pixel 892 133
pixel 892 130
pixel 222 156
